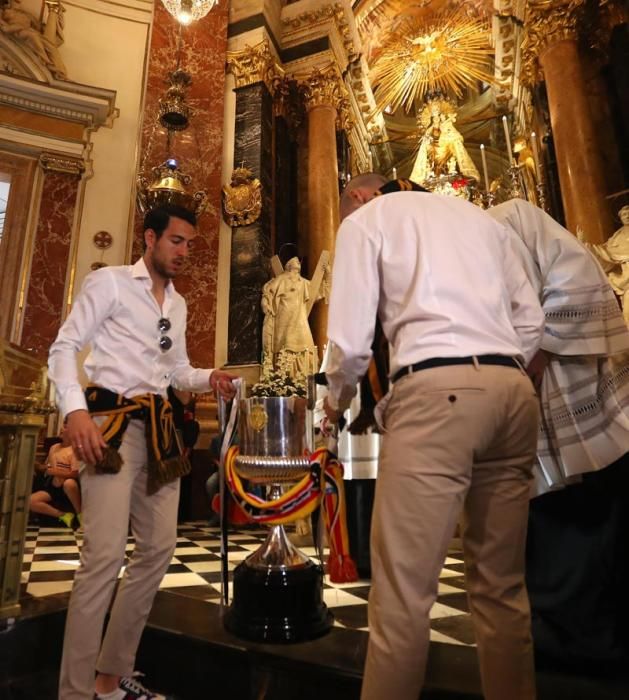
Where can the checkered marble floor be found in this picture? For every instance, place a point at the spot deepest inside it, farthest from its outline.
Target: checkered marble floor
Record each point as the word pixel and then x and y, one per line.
pixel 52 556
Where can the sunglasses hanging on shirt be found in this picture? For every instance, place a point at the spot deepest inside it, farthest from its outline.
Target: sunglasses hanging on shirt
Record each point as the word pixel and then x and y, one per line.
pixel 165 343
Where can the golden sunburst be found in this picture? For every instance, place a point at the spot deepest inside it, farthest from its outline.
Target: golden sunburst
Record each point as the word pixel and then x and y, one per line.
pixel 447 53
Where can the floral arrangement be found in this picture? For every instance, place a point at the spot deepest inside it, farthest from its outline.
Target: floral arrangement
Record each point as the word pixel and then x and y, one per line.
pixel 277 381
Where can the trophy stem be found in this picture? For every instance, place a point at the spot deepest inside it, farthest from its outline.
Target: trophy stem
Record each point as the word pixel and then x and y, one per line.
pixel 277 551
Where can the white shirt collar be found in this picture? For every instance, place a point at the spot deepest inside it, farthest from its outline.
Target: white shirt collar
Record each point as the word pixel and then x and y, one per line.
pixel 139 270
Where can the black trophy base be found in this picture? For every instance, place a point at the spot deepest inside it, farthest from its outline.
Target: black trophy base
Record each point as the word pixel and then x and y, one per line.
pixel 278 605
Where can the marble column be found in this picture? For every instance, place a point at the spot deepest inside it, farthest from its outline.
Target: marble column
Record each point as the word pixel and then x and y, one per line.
pixel 251 244
pixel 285 198
pixel 578 154
pixel 323 95
pixel 552 42
pixel 45 295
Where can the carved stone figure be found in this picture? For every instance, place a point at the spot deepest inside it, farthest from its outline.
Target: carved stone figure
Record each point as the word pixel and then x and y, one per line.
pixel 42 39
pixel 441 150
pixel 287 341
pixel 614 257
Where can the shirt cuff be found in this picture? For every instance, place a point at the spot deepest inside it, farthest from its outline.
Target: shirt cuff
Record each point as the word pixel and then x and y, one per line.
pixel 200 382
pixel 340 399
pixel 73 400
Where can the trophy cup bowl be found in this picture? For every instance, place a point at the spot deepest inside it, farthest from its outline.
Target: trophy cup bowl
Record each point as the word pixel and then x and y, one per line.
pixel 278 590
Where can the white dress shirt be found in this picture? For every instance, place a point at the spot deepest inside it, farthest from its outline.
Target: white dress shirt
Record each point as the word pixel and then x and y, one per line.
pixel 118 315
pixel 441 276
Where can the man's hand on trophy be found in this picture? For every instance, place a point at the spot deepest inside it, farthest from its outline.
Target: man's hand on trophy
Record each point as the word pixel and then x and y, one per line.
pixel 222 385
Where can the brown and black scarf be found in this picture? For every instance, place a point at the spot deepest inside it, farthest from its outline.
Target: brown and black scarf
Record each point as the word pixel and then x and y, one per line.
pixel 375 384
pixel 165 460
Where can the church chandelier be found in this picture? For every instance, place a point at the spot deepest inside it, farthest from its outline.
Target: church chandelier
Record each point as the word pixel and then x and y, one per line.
pixel 188 11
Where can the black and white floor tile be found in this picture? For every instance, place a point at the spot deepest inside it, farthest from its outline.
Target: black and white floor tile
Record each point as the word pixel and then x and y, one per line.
pixel 52 556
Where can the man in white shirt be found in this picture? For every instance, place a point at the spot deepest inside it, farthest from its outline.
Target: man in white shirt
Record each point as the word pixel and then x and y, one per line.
pixel 460 423
pixel 135 322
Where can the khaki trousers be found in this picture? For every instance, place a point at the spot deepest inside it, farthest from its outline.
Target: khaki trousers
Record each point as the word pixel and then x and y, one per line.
pixel 457 437
pixel 110 502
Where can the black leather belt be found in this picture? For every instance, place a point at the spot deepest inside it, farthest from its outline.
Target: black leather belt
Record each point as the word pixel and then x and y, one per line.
pixel 503 360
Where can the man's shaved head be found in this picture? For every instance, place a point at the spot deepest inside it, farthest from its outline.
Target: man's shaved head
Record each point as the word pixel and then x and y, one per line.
pixel 359 191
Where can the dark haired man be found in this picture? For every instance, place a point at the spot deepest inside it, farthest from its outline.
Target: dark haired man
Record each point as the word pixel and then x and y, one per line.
pixel 135 322
pixel 460 422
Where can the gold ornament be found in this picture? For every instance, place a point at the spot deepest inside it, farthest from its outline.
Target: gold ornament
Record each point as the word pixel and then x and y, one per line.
pixel 254 64
pixel 324 88
pixel 448 53
pixel 258 417
pixel 242 199
pixel 546 24
pixel 169 186
pixel 174 112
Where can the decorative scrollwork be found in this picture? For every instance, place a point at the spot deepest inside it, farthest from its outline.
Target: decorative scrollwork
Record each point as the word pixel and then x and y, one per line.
pixel 324 87
pixel 334 12
pixel 254 64
pixel 242 198
pixel 546 24
pixel 58 164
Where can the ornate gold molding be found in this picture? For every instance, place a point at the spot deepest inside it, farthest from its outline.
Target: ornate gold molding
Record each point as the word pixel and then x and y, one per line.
pixel 551 21
pixel 50 162
pixel 323 88
pixel 606 15
pixel 334 12
pixel 255 64
pixel 242 198
pixel 508 28
pixel 286 101
pixel 546 24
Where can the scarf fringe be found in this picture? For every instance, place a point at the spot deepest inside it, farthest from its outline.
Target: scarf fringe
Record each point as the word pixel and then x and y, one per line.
pixel 166 471
pixel 111 463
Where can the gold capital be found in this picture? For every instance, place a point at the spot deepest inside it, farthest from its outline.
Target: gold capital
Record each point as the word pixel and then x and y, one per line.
pixel 323 87
pixel 547 22
pixel 254 64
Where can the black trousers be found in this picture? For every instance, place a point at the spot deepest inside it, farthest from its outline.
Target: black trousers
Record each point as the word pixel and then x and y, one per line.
pixel 578 570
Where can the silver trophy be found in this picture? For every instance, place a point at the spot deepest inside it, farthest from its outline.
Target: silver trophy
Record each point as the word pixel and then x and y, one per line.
pixel 278 590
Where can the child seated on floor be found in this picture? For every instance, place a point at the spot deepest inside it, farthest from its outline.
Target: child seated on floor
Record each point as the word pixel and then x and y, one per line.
pixel 59 495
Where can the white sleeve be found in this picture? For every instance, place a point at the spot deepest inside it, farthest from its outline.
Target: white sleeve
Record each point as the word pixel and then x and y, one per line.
pixel 352 312
pixel 526 312
pixel 184 376
pixel 95 302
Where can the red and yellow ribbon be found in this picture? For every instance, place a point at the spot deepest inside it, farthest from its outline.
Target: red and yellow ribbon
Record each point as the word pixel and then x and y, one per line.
pixel 323 486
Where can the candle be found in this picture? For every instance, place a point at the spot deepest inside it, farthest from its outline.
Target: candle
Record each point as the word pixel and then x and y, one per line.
pixel 482 155
pixel 395 173
pixel 538 170
pixel 507 138
pixel 370 161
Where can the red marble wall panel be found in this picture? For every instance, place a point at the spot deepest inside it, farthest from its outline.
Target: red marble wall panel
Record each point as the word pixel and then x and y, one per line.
pixel 198 150
pixel 45 293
